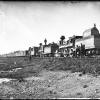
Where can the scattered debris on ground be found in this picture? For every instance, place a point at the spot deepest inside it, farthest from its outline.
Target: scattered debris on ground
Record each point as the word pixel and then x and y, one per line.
pixel 48 78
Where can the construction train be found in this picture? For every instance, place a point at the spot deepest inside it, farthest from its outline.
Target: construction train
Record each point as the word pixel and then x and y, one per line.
pixel 86 45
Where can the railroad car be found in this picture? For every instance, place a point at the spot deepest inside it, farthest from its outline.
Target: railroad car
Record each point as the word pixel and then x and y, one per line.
pixel 50 49
pixel 34 51
pixel 68 47
pixel 90 41
pixel 86 45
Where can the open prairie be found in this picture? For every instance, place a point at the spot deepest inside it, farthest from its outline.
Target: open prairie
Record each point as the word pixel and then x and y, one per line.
pixel 47 78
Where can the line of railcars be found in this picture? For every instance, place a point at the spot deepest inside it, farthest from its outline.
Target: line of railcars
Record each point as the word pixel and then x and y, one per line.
pixel 75 46
pixel 44 50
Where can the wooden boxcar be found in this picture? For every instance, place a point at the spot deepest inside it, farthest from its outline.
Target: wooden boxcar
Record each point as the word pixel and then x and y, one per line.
pixel 34 51
pixel 50 49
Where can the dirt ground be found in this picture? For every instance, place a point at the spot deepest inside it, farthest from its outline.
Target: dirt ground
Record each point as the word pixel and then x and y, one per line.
pixel 49 78
pixel 53 84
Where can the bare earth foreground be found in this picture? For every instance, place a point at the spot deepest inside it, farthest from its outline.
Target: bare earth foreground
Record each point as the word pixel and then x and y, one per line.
pixel 34 80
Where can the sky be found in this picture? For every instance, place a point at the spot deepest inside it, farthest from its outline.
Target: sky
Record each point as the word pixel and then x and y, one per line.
pixel 26 24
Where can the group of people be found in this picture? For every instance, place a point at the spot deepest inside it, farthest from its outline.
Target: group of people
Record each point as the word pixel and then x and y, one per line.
pixel 80 51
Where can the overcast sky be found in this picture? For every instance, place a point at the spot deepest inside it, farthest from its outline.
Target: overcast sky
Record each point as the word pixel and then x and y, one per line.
pixel 24 24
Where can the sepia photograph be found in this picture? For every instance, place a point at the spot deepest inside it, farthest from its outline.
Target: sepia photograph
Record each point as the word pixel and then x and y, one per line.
pixel 49 50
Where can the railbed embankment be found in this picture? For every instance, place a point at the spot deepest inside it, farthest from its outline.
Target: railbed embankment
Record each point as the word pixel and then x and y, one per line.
pixel 37 64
